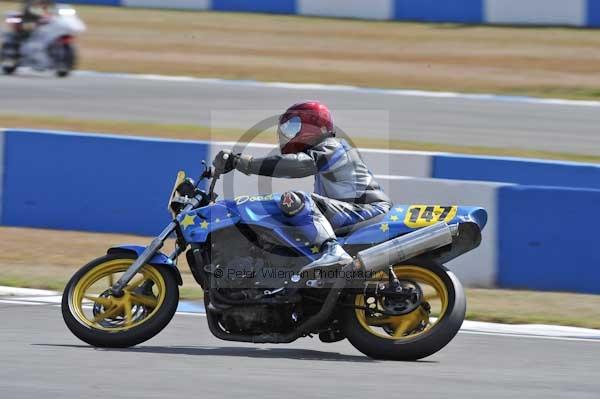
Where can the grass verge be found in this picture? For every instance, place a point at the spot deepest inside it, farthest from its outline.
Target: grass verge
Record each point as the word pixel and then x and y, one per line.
pixel 193 132
pixel 56 255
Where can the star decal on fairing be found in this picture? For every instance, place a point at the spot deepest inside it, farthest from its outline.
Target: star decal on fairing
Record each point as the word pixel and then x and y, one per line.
pixel 384 227
pixel 204 224
pixel 314 249
pixel 188 220
pixel 394 218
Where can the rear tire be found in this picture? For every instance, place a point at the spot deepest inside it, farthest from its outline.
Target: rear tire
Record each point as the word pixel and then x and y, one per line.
pixel 422 344
pixel 65 59
pixel 149 327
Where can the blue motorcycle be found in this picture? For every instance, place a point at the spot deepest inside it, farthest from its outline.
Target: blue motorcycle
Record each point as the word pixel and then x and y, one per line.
pixel 396 300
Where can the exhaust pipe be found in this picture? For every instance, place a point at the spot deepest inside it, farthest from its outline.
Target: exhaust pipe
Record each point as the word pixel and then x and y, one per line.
pixel 380 257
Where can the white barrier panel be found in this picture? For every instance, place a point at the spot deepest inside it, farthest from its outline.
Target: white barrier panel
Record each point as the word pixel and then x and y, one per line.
pixel 398 163
pixel 371 9
pixel 476 268
pixel 536 12
pixel 175 4
pixel 380 162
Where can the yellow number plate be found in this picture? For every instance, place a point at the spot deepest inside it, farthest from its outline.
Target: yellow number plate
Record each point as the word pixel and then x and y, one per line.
pixel 426 215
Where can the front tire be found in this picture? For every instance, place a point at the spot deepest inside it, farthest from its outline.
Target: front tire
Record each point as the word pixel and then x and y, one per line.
pixel 414 335
pixel 99 319
pixel 9 57
pixel 8 70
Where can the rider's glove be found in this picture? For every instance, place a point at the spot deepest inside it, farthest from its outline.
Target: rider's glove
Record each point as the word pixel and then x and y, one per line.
pixel 226 161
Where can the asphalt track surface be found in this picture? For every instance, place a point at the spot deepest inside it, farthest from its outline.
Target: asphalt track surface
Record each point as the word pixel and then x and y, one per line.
pixel 490 121
pixel 40 358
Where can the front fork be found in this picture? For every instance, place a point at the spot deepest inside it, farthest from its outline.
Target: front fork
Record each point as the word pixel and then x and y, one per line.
pixel 10 48
pixel 151 250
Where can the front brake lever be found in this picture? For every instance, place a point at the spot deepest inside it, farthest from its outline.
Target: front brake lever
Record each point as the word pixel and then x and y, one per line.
pixel 207 173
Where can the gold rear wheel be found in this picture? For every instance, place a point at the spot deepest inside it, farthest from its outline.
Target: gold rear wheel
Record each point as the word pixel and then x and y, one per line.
pixel 431 292
pixel 411 326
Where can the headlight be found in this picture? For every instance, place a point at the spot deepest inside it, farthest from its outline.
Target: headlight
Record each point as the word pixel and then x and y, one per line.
pixel 186 188
pixel 67 12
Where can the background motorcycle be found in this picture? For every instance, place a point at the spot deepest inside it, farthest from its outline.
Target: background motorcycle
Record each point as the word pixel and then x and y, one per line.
pixel 49 46
pixel 395 301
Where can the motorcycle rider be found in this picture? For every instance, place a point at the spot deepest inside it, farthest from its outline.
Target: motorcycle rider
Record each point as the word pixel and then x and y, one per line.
pixel 345 191
pixel 33 12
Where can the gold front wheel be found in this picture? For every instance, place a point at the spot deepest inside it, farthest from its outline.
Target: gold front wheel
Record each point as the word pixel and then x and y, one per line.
pixel 410 326
pixel 99 318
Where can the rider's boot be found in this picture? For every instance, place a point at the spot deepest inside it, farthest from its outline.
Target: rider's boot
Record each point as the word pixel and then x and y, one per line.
pixel 333 256
pixel 293 204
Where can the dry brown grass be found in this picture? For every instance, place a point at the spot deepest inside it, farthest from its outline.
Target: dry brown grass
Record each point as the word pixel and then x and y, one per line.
pixel 41 258
pixel 510 306
pixel 47 258
pixel 540 61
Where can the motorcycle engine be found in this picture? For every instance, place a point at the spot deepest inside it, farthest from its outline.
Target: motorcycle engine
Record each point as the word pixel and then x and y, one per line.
pixel 253 271
pixel 252 274
pixel 253 319
pixel 252 267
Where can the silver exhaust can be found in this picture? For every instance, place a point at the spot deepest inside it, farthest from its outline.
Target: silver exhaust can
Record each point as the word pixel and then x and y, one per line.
pixel 426 239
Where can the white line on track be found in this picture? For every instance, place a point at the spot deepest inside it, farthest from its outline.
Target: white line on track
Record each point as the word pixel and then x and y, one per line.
pixel 15 296
pixel 17 302
pixel 347 88
pixel 594 340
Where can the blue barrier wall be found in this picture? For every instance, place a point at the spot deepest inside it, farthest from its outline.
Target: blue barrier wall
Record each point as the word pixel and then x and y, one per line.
pixel 458 11
pixel 98 2
pixel 266 6
pixel 548 239
pixel 544 239
pixel 566 12
pixel 92 182
pixel 517 171
pixel 593 13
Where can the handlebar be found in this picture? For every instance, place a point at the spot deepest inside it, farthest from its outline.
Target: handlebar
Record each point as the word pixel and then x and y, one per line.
pixel 216 175
pixel 213 182
pixel 213 175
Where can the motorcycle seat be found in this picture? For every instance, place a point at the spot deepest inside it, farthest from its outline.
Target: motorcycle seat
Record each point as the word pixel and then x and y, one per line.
pixel 346 230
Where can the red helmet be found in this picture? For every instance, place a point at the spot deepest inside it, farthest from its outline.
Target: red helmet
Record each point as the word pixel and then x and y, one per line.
pixel 304 125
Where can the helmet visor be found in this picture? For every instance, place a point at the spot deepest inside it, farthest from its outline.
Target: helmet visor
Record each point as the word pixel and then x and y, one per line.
pixel 291 127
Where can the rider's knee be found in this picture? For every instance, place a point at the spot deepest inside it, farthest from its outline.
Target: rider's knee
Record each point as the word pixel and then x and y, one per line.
pixel 292 203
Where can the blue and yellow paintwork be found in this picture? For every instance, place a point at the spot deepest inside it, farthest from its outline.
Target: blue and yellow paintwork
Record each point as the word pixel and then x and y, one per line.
pixel 400 220
pixel 299 232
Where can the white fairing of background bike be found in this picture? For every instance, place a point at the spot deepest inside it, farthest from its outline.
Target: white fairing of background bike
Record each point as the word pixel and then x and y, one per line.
pixel 64 23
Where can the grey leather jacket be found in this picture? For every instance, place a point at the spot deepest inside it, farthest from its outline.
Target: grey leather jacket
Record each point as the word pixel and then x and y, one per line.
pixel 340 172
